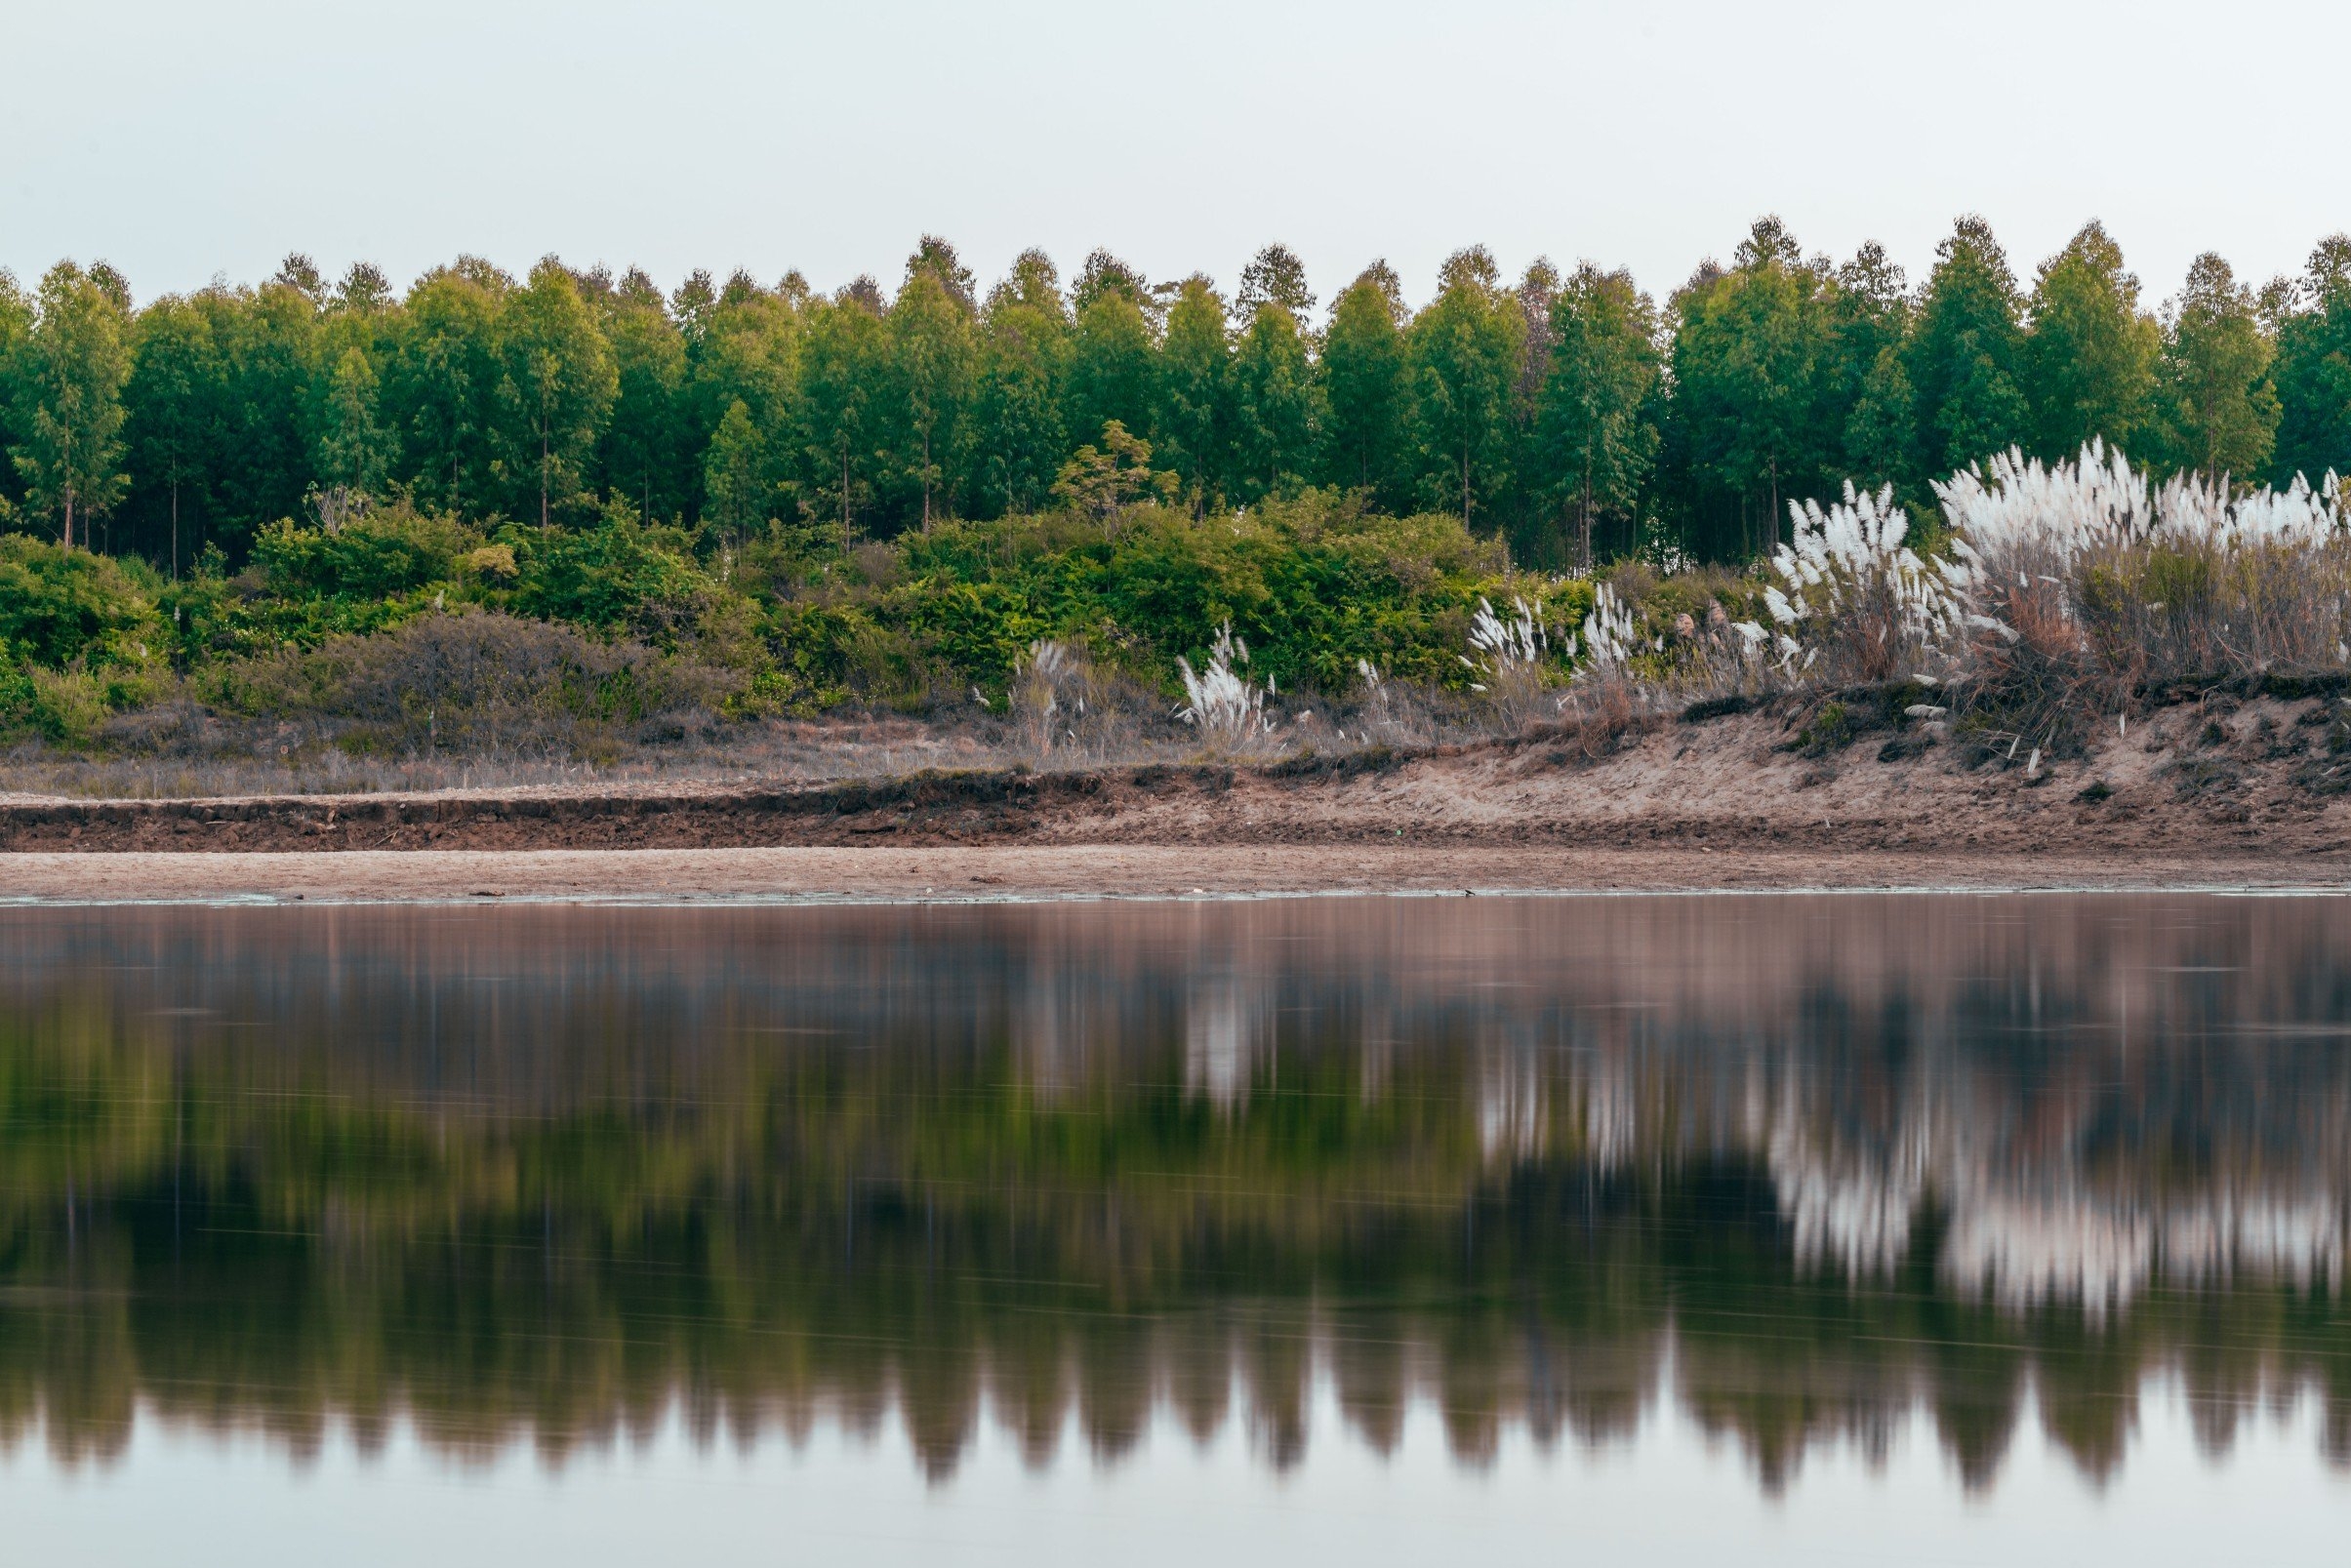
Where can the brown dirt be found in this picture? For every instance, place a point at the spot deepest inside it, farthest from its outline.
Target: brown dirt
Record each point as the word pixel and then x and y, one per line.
pixel 2222 791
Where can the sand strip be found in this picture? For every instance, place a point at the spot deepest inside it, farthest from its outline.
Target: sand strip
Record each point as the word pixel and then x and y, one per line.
pixel 1095 871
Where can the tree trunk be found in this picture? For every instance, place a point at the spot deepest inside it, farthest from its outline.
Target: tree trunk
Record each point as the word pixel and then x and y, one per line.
pixel 543 476
pixel 174 528
pixel 1584 545
pixel 69 541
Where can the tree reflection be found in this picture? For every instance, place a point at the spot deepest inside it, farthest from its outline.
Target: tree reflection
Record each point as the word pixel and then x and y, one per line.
pixel 1808 1167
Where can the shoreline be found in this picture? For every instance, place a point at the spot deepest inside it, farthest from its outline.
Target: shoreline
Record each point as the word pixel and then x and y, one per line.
pixel 991 874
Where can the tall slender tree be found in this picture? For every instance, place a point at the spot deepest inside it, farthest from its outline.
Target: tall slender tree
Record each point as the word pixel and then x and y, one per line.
pixel 2219 404
pixel 2087 360
pixel 1463 349
pixel 440 385
pixel 644 441
pixel 1368 385
pixel 17 312
pixel 1024 356
pixel 844 363
pixel 1593 440
pixel 1275 398
pixel 931 348
pixel 173 422
pixel 1753 369
pixel 557 389
pixel 1962 356
pixel 78 360
pixel 1193 430
pixel 354 450
pixel 2314 367
pixel 1274 276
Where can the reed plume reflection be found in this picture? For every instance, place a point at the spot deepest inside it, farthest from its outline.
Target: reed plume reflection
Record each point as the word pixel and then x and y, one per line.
pixel 1810 1167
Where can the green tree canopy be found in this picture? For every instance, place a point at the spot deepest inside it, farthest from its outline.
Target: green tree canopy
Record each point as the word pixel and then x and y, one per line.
pixel 1193 425
pixel 77 359
pixel 2087 364
pixel 2219 405
pixel 557 388
pixel 2314 367
pixel 1963 359
pixel 1463 355
pixel 1367 387
pixel 1594 437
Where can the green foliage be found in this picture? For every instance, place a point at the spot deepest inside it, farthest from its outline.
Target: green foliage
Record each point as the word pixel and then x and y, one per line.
pixel 2087 367
pixel 620 577
pixel 62 608
pixel 384 555
pixel 734 469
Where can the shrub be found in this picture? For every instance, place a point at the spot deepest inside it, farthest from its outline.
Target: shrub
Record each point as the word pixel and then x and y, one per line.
pixel 475 681
pixel 61 607
pixel 620 578
pixel 388 552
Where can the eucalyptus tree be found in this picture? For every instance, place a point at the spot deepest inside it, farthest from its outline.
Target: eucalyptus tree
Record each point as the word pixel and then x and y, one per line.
pixel 749 346
pixel 557 389
pixel 2087 363
pixel 1276 401
pixel 644 442
pixel 1366 386
pixel 1115 354
pixel 1869 395
pixel 17 312
pixel 844 364
pixel 1963 359
pixel 932 358
pixel 76 359
pixel 1754 382
pixel 1594 437
pixel 1274 276
pixel 1194 428
pixel 2314 367
pixel 440 385
pixel 1462 351
pixel 355 452
pixel 2219 404
pixel 174 422
pixel 1022 360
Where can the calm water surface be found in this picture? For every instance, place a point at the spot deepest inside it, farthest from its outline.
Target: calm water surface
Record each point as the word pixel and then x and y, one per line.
pixel 1560 1229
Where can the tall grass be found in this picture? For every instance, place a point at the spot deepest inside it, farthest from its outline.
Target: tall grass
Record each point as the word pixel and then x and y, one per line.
pixel 2062 595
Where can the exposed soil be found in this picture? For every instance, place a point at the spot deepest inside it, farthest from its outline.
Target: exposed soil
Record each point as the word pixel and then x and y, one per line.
pixel 2234 788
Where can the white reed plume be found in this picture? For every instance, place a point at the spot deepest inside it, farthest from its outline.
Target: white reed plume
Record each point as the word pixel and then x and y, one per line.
pixel 1511 646
pixel 1853 588
pixel 1040 678
pixel 1609 638
pixel 2099 500
pixel 1224 706
pixel 2013 500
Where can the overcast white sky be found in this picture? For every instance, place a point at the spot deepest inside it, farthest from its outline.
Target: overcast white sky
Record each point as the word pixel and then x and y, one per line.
pixel 181 139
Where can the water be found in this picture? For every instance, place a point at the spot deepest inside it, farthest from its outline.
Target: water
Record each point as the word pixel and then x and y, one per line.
pixel 1901 1228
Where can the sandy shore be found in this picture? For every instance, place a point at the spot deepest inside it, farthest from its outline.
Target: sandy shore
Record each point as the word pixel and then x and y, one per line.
pixel 1094 870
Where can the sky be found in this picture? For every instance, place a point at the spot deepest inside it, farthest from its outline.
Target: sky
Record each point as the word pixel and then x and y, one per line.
pixel 184 143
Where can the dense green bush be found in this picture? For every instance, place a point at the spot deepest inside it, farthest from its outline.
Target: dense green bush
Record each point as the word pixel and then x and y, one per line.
pixel 370 622
pixel 384 555
pixel 61 607
pixel 620 577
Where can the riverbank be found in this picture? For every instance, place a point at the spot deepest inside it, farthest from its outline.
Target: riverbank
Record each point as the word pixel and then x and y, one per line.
pixel 2244 791
pixel 950 873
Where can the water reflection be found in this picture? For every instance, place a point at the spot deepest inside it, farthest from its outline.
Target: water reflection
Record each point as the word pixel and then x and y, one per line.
pixel 1806 1167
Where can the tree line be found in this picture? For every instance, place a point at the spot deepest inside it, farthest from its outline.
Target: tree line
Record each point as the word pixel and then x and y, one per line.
pixel 1568 414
